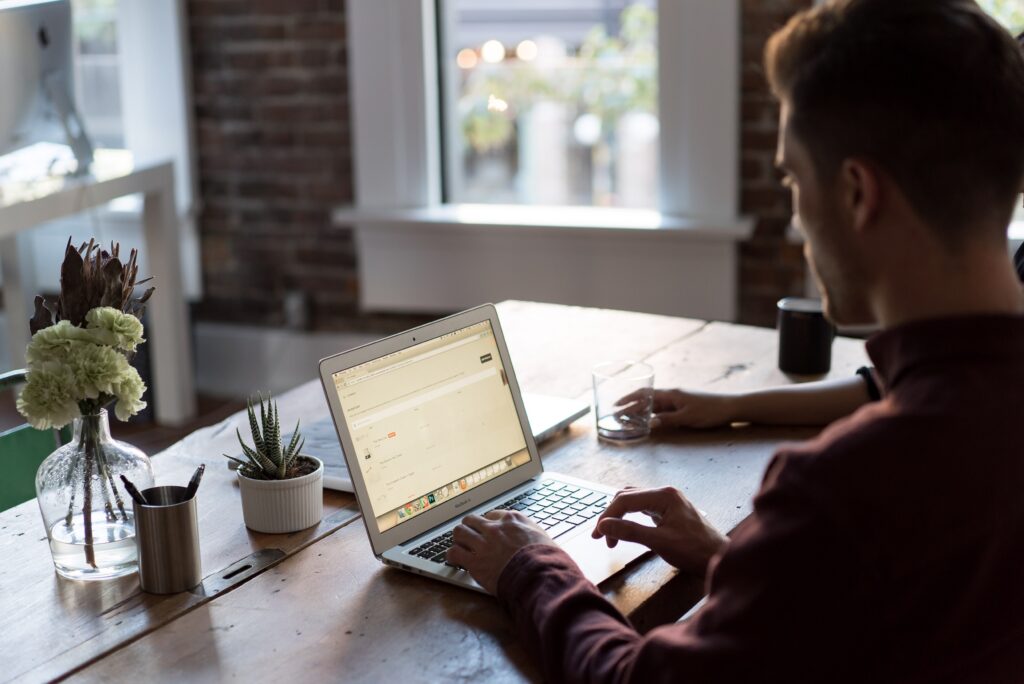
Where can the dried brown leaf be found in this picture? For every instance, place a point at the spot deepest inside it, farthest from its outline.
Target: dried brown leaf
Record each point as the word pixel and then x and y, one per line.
pixel 92 277
pixel 42 318
pixel 113 292
pixel 73 303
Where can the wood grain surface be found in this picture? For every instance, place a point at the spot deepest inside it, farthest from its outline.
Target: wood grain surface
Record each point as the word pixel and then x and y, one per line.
pixel 50 626
pixel 331 611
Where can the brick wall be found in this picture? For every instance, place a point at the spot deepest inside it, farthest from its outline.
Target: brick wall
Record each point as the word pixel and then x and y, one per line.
pixel 770 267
pixel 272 113
pixel 274 157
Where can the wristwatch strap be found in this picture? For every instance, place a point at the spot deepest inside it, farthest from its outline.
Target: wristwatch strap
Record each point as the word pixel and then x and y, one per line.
pixel 869 379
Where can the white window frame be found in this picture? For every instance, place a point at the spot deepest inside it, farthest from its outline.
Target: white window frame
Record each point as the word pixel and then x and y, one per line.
pixel 417 254
pixel 156 87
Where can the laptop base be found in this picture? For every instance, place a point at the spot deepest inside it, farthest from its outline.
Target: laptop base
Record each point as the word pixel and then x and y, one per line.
pixel 597 562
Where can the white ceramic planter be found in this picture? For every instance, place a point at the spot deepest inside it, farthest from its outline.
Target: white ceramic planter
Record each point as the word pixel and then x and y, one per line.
pixel 278 506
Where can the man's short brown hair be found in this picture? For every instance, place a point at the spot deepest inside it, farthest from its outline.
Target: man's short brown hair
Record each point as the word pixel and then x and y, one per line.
pixel 932 91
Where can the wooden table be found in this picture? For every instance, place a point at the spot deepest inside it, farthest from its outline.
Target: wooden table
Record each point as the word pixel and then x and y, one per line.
pixel 317 603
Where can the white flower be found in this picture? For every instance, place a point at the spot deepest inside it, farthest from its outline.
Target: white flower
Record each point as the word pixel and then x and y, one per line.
pixel 97 368
pixel 114 327
pixel 68 364
pixel 54 343
pixel 129 391
pixel 51 395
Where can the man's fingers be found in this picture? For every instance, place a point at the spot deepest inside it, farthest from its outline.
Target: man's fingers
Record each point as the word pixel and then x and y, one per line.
pixel 476 523
pixel 467 536
pixel 668 420
pixel 634 397
pixel 636 501
pixel 615 529
pixel 459 555
pixel 638 407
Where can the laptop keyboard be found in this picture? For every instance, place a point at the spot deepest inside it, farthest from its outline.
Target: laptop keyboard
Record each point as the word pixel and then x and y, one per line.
pixel 555 506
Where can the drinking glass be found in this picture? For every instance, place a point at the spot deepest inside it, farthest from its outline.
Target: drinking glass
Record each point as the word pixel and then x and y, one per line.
pixel 623 399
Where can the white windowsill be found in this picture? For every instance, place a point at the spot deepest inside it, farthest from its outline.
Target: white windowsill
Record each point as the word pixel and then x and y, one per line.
pixel 450 257
pixel 1016 235
pixel 582 221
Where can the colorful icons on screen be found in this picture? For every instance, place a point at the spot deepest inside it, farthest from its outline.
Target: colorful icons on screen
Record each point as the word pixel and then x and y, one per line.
pixel 461 485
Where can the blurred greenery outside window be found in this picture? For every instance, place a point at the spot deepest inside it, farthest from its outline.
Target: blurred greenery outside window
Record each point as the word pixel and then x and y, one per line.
pixel 1009 13
pixel 97 75
pixel 560 111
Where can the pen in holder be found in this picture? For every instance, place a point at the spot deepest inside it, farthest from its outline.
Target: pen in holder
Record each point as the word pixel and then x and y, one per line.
pixel 167 537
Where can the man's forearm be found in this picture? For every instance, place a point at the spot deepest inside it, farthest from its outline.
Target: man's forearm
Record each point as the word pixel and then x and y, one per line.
pixel 561 617
pixel 812 403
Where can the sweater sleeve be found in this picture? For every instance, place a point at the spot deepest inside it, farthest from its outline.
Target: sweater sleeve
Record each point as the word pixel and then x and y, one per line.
pixel 779 606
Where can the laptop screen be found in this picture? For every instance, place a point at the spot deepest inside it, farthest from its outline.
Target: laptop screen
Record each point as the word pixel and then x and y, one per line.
pixel 431 422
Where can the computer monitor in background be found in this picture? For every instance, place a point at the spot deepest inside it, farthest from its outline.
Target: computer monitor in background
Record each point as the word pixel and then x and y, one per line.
pixel 36 102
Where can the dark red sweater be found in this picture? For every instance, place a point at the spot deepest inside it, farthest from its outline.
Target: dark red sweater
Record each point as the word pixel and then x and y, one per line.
pixel 890 548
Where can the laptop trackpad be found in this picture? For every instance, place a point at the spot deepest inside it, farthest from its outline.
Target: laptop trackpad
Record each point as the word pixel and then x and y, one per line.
pixel 596 560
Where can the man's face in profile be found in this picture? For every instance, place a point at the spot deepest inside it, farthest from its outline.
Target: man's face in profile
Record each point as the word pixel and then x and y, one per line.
pixel 818 215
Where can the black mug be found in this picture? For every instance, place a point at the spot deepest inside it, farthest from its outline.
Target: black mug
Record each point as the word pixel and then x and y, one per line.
pixel 805 337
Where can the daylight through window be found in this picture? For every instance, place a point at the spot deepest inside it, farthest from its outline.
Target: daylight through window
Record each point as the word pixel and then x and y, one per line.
pixel 550 102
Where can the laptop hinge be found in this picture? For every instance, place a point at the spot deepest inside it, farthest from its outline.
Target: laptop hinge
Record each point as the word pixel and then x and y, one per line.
pixel 431 533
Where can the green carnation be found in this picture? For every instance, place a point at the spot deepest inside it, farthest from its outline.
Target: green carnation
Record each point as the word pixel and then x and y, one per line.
pixel 97 368
pixel 129 391
pixel 115 327
pixel 54 343
pixel 50 399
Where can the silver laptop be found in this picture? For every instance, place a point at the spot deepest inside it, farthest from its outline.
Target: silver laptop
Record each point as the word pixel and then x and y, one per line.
pixel 433 427
pixel 547 415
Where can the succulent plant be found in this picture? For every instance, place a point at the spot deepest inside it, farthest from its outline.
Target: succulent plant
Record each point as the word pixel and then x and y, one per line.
pixel 267 459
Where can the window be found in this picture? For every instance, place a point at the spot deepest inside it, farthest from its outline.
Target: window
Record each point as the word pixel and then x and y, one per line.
pixel 97 77
pixel 1009 13
pixel 130 76
pixel 415 174
pixel 550 102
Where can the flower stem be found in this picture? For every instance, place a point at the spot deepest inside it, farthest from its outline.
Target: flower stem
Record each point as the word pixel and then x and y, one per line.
pixel 101 467
pixel 108 481
pixel 70 483
pixel 89 440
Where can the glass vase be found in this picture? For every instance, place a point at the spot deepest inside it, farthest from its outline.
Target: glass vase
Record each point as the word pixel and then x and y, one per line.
pixel 86 510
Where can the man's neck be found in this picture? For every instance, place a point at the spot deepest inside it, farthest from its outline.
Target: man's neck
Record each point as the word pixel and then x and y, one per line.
pixel 974 282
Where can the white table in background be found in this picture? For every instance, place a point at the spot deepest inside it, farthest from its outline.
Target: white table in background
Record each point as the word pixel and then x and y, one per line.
pixel 26 205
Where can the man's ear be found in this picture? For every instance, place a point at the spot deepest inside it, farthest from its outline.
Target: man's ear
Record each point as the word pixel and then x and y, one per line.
pixel 860 192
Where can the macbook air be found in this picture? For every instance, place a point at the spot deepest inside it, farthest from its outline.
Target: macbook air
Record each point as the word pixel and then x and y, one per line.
pixel 433 427
pixel 547 416
pixel 550 415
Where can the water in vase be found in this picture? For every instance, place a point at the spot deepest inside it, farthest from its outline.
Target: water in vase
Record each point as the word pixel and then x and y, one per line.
pixel 113 547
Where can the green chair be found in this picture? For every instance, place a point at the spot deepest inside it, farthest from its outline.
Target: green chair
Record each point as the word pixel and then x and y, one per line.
pixel 22 449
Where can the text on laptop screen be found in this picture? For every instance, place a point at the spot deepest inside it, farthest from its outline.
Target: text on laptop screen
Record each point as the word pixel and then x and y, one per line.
pixel 431 422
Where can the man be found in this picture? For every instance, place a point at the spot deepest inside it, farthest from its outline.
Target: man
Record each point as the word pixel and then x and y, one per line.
pixel 891 547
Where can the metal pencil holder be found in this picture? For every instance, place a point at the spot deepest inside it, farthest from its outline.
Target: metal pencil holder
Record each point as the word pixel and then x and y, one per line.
pixel 167 538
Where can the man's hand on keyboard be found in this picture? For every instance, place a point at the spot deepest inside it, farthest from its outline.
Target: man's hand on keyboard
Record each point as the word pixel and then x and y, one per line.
pixel 485 545
pixel 680 534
